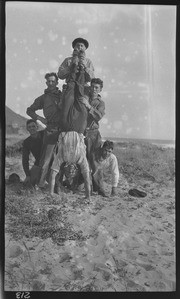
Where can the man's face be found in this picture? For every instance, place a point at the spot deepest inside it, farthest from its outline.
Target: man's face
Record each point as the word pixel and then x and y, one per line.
pixel 51 82
pixel 32 128
pixel 80 46
pixel 106 152
pixel 70 171
pixel 95 89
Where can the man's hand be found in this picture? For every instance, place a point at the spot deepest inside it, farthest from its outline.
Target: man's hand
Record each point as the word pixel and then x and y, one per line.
pixel 85 101
pixel 82 66
pixel 81 54
pixel 42 119
pixel 75 60
pixel 82 61
pixel 114 191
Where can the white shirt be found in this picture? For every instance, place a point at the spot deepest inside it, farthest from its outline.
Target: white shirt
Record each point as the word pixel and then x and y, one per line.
pixel 109 164
pixel 72 149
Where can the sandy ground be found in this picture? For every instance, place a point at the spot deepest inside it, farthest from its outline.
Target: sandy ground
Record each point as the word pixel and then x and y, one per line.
pixel 121 243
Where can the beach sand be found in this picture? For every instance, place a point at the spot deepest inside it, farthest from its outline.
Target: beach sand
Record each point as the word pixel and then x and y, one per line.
pixel 113 244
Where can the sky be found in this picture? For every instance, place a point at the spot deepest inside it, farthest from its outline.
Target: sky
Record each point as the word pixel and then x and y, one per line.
pixel 132 48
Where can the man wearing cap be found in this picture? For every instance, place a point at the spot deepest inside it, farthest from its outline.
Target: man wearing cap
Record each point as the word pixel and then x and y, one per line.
pixel 79 45
pixel 77 71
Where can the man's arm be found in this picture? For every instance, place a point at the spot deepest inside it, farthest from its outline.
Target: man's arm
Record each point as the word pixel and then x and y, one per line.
pixel 86 64
pixel 37 105
pixel 65 68
pixel 84 166
pixel 115 174
pixel 52 180
pixel 96 112
pixel 25 159
pixel 89 71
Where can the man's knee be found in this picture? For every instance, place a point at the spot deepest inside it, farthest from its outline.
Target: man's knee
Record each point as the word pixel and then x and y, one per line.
pixel 35 174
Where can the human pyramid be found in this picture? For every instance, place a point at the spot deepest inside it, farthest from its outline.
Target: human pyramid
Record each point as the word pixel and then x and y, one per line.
pixel 69 152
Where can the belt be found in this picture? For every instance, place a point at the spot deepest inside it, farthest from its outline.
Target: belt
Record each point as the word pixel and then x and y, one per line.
pixel 90 129
pixel 53 131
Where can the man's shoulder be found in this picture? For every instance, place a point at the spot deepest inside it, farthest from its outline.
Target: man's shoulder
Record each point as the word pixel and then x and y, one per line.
pixel 88 59
pixel 69 58
pixel 113 157
pixel 41 97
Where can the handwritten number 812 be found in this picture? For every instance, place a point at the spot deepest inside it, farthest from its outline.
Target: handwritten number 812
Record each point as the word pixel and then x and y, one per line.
pixel 20 295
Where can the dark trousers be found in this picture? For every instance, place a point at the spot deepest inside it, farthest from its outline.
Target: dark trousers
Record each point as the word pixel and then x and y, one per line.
pixel 74 113
pixel 49 143
pixel 93 140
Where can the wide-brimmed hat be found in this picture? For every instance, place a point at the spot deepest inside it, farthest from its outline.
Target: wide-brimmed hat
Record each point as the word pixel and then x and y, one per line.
pixel 80 40
pixel 137 193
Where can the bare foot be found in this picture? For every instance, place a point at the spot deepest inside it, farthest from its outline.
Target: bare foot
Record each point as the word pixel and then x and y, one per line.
pixel 54 195
pixel 87 199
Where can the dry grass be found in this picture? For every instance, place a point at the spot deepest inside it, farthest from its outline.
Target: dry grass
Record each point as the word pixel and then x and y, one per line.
pixel 144 161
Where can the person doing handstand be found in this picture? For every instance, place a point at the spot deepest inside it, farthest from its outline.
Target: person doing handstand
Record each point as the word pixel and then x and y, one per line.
pixel 70 150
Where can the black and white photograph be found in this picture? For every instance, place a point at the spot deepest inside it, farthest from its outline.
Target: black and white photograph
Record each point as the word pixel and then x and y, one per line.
pixel 90 140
